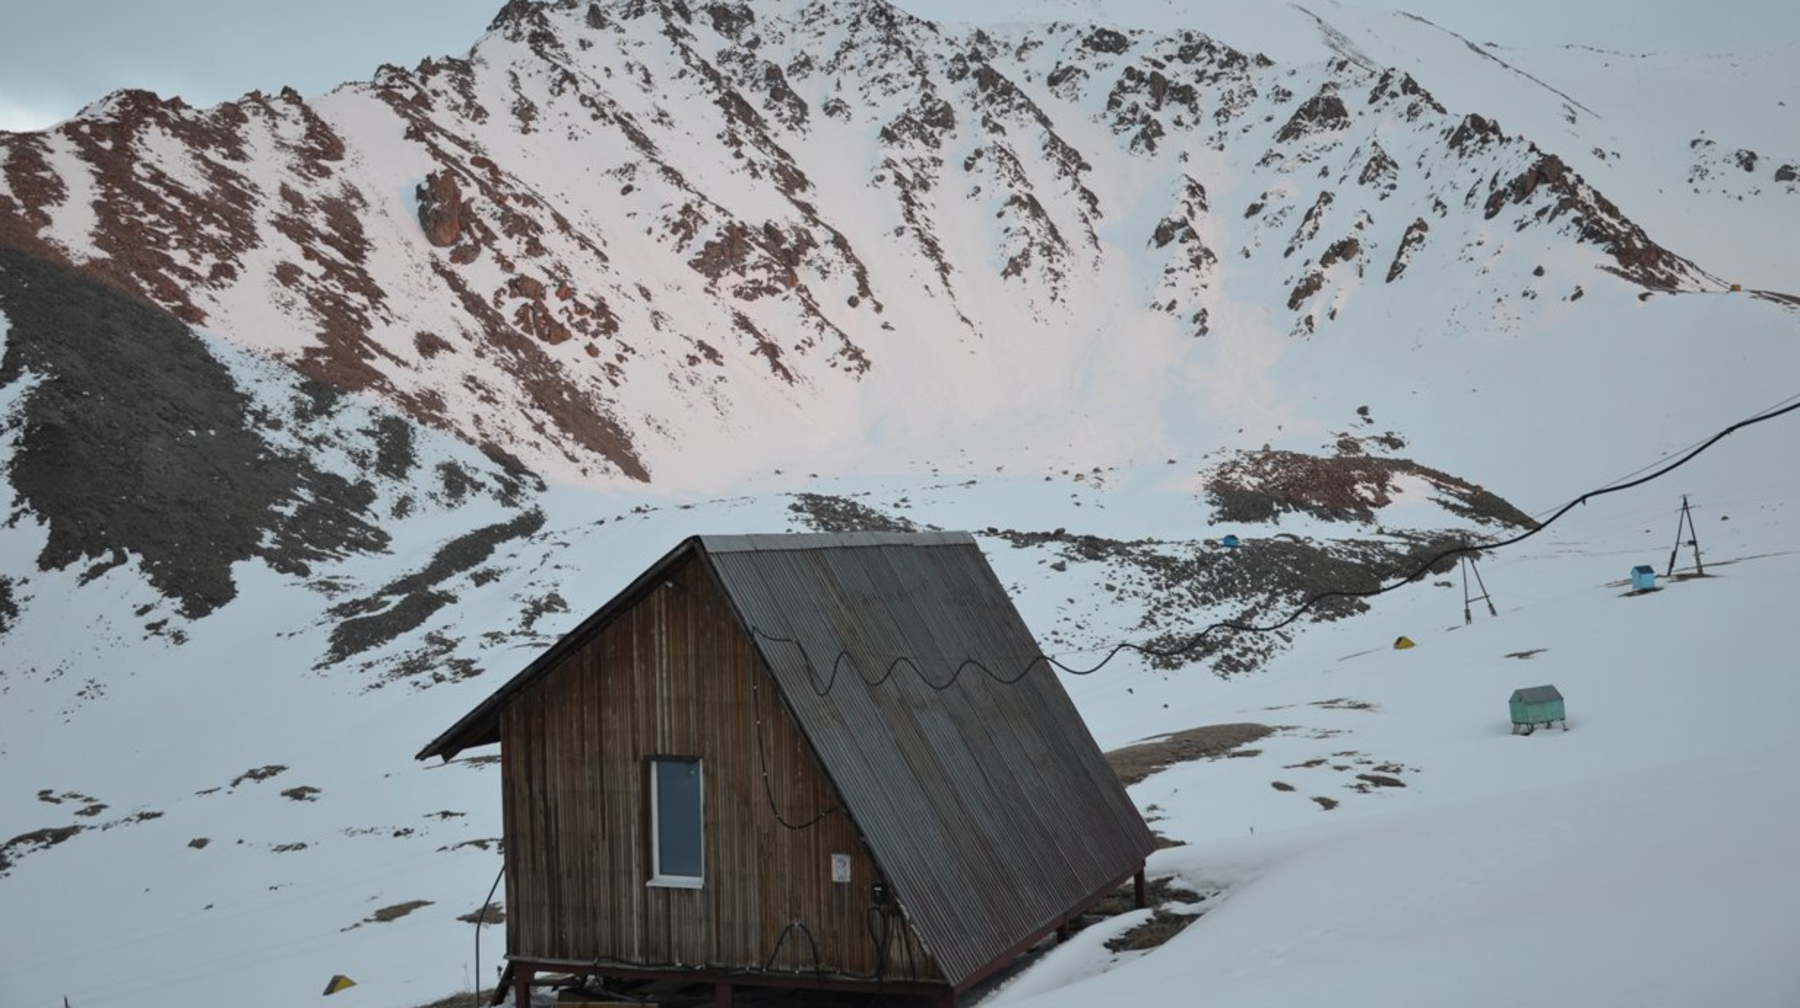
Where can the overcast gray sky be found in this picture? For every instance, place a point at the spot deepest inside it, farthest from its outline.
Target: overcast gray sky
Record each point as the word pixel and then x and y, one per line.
pixel 58 55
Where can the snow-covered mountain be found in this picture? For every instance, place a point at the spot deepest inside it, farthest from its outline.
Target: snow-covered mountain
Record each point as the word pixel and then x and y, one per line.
pixel 632 239
pixel 321 415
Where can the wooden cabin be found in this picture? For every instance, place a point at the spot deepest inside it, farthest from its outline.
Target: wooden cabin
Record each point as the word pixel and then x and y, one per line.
pixel 820 761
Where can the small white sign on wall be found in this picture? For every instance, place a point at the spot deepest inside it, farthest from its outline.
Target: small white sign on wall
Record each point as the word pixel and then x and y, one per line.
pixel 840 867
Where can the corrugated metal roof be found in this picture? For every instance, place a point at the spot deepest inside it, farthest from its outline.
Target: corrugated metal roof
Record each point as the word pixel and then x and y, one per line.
pixel 987 804
pixel 1536 694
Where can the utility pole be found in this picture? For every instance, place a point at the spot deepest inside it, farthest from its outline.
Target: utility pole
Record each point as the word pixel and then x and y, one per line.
pixel 1468 564
pixel 1686 521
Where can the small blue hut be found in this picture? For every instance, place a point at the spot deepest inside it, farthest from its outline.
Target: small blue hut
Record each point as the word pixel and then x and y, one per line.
pixel 1230 542
pixel 1537 705
pixel 1643 578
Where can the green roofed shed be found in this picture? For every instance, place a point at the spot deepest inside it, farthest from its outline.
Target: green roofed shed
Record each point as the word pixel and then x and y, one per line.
pixel 1537 705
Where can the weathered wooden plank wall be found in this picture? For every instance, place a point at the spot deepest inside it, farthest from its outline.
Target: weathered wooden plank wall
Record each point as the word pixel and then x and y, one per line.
pixel 673 676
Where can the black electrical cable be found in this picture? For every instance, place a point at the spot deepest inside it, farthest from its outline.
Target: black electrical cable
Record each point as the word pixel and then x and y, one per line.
pixel 762 757
pixel 912 965
pixel 881 943
pixel 480 919
pixel 1679 451
pixel 1194 641
pixel 818 964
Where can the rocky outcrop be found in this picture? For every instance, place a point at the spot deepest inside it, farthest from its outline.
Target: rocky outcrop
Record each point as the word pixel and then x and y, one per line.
pixel 1310 224
pixel 1409 243
pixel 1259 486
pixel 1397 87
pixel 1556 191
pixel 1380 172
pixel 1187 276
pixel 441 209
pixel 1342 250
pixel 1324 112
pixel 1474 133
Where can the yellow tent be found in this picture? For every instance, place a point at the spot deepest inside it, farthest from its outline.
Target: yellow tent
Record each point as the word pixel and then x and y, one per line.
pixel 1402 643
pixel 338 983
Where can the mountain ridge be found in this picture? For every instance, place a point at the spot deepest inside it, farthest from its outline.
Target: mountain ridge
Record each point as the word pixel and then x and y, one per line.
pixel 486 291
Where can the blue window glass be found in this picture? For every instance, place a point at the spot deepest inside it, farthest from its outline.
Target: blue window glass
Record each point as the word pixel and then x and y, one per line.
pixel 677 814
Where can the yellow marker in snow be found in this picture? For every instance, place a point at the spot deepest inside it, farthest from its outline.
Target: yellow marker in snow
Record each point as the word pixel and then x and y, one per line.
pixel 338 983
pixel 1402 643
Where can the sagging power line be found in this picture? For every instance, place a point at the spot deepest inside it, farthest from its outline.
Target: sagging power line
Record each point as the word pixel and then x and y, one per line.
pixel 1656 471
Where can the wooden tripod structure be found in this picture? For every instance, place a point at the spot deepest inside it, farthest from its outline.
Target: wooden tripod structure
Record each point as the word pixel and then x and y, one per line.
pixel 1468 566
pixel 1686 523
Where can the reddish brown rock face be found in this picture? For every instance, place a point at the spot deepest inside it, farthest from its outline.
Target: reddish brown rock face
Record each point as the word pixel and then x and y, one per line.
pixel 441 209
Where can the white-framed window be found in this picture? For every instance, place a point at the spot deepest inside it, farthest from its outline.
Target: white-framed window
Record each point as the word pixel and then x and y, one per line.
pixel 677 820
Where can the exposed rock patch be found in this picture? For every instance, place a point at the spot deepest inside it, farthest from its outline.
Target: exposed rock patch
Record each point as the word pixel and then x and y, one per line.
pixel 1259 486
pixel 32 842
pixel 1397 86
pixel 396 911
pixel 493 913
pixel 1324 112
pixel 1133 763
pixel 1380 172
pixel 1474 132
pixel 257 775
pixel 407 602
pixel 1106 40
pixel 1183 587
pixel 1310 284
pixel 826 513
pixel 137 442
pixel 1595 220
pixel 1409 243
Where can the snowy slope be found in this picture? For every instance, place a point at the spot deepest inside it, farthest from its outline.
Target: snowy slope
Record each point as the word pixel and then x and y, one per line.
pixel 1640 858
pixel 288 889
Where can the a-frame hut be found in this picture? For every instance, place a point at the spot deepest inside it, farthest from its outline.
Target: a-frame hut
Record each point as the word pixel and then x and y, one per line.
pixel 773 760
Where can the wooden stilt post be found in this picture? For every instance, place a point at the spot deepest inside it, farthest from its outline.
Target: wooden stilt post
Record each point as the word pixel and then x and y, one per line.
pixel 1139 898
pixel 522 977
pixel 500 988
pixel 722 995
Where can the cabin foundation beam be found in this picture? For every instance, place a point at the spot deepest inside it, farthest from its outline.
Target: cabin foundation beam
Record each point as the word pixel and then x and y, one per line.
pixel 1138 896
pixel 522 977
pixel 725 983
